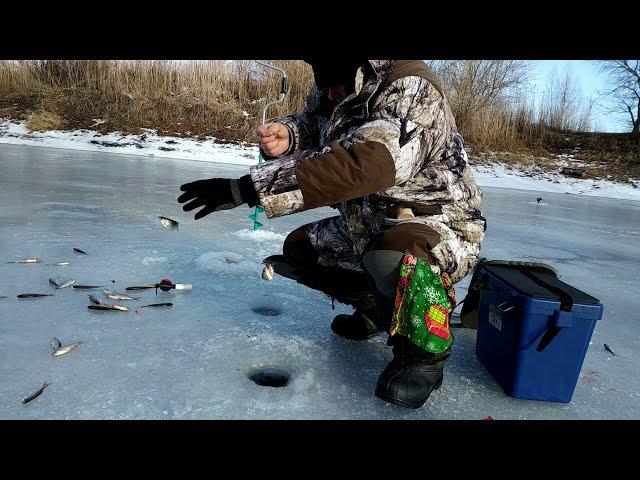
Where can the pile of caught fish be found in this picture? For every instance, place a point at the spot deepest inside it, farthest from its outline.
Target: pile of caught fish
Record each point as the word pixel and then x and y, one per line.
pixel 110 302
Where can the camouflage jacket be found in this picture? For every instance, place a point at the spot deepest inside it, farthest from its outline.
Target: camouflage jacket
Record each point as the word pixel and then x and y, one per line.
pixel 392 143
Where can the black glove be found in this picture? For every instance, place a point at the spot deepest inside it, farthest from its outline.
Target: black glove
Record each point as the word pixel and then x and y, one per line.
pixel 218 194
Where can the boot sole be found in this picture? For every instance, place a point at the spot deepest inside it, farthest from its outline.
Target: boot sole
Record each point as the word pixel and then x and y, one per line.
pixel 402 403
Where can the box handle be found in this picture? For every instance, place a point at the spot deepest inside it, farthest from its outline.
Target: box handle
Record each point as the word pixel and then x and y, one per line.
pixel 505 307
pixel 561 319
pixel 549 335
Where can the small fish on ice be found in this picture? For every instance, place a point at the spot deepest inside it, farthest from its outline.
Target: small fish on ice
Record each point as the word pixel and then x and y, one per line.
pixel 118 296
pixel 95 300
pixel 58 284
pixel 27 260
pixel 35 395
pixel 268 272
pixel 64 350
pixel 109 307
pixel 87 287
pixel 168 223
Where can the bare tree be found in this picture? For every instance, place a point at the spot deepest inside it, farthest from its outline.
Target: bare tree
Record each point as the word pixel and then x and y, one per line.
pixel 475 85
pixel 624 94
pixel 562 104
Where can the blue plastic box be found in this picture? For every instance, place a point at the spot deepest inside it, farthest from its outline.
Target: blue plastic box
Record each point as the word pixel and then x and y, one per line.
pixel 533 331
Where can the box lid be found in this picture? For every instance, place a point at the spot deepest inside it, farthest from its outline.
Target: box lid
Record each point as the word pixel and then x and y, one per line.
pixel 539 283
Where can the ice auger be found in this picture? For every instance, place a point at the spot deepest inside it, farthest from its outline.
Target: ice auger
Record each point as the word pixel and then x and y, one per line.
pixel 283 91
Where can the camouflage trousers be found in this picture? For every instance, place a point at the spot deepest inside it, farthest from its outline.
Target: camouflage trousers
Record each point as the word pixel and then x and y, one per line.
pixel 392 282
pixel 328 243
pixel 326 251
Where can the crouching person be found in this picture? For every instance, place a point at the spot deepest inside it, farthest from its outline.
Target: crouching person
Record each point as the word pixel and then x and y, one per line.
pixel 377 141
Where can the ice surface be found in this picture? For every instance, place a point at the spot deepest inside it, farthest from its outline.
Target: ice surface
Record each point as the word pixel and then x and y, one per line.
pixel 192 360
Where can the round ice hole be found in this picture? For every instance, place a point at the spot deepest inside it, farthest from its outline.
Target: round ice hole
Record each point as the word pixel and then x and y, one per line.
pixel 269 377
pixel 266 311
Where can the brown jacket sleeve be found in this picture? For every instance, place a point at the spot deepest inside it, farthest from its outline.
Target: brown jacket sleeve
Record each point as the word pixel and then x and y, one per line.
pixel 343 174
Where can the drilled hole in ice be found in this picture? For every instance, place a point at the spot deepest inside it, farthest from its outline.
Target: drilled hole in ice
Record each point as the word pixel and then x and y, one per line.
pixel 269 377
pixel 266 311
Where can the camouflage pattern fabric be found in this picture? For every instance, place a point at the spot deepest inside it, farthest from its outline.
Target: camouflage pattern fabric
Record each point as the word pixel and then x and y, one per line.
pixel 411 118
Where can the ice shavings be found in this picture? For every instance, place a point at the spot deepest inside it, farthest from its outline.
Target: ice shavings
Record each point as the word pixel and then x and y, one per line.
pixel 227 263
pixel 153 260
pixel 260 236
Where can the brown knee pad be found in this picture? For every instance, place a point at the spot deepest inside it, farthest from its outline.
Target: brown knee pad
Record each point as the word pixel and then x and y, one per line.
pixel 415 237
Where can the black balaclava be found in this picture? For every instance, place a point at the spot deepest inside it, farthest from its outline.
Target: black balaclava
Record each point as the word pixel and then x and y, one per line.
pixel 329 73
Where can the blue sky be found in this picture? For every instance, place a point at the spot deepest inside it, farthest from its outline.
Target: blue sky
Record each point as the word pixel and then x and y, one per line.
pixel 588 77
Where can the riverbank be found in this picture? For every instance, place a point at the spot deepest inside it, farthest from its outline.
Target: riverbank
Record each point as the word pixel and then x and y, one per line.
pixel 568 171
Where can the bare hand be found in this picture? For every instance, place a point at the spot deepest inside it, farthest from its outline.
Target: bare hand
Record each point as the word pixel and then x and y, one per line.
pixel 274 138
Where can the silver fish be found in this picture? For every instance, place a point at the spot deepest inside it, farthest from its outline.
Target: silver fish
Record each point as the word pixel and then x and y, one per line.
pixel 66 284
pixel 55 343
pixel 27 260
pixel 28 398
pixel 168 223
pixel 62 264
pixel 95 300
pixel 63 350
pixel 108 307
pixel 118 296
pixel 157 305
pixel 122 308
pixel 268 272
pixel 87 287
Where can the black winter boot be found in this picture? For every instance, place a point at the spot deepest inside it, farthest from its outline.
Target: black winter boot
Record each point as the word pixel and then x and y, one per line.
pixel 358 326
pixel 412 375
pixel 350 288
pixel 362 324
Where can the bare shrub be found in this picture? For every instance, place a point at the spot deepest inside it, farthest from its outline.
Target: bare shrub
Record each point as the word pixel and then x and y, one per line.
pixel 43 120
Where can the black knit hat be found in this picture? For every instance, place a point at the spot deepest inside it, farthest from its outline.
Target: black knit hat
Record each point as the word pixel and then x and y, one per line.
pixel 328 73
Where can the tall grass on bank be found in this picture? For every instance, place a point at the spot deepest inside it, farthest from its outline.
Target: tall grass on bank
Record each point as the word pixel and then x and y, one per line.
pixel 217 98
pixel 223 98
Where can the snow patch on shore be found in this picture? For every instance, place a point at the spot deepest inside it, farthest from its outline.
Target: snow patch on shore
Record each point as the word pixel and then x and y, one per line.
pixel 502 176
pixel 153 145
pixel 147 144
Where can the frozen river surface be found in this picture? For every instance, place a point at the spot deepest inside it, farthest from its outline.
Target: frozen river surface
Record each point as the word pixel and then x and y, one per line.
pixel 192 360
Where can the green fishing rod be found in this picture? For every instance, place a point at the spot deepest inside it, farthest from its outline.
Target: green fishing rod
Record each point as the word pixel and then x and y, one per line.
pixel 283 91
